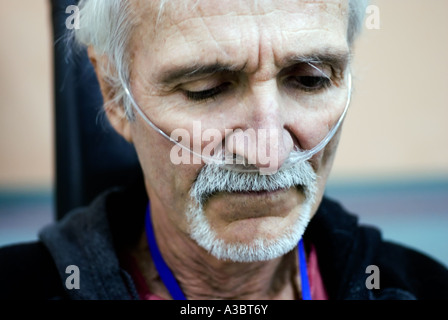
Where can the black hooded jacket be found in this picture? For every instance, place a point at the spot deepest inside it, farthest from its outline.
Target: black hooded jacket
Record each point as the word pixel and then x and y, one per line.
pixel 90 238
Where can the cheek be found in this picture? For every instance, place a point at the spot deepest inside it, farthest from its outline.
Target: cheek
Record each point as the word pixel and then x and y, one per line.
pixel 311 119
pixel 309 129
pixel 166 183
pixel 329 152
pixel 322 162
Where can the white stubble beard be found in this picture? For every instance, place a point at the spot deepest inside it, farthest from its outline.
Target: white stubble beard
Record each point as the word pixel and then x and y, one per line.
pixel 259 248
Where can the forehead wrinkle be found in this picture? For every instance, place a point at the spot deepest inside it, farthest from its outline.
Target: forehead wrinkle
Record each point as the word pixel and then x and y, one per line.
pixel 222 50
pixel 186 17
pixel 283 33
pixel 172 11
pixel 211 38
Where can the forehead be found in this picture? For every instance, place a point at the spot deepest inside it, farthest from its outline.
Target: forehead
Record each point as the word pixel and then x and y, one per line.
pixel 240 32
pixel 175 11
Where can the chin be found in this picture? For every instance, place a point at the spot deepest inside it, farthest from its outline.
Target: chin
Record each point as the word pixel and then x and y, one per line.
pixel 251 239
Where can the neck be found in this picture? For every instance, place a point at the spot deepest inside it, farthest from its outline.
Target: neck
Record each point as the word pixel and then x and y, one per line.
pixel 202 276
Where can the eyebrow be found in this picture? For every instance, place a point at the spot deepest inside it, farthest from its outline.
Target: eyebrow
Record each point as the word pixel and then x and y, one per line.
pixel 196 70
pixel 336 58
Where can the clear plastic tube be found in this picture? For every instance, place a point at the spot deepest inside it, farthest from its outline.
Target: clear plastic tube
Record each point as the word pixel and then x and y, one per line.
pixel 228 161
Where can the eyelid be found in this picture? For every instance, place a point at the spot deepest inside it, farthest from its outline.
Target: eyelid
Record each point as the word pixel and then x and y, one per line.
pixel 320 69
pixel 200 84
pixel 335 73
pixel 211 93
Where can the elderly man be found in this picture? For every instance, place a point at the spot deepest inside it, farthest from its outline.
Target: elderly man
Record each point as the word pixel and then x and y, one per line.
pixel 235 109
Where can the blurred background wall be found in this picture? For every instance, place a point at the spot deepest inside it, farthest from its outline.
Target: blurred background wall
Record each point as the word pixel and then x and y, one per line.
pixel 26 143
pixel 398 121
pixel 392 163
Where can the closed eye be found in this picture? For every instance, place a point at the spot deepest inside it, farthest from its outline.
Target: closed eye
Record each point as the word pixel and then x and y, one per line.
pixel 309 83
pixel 207 94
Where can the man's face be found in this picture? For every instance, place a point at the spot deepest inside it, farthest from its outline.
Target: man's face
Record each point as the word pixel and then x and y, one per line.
pixel 232 65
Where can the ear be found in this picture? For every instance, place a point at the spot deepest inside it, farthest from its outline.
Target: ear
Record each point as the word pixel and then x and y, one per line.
pixel 115 113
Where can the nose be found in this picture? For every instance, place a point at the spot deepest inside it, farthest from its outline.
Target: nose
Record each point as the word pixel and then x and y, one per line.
pixel 261 138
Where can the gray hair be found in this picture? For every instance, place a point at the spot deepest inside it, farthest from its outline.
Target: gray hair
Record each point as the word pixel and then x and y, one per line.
pixel 107 26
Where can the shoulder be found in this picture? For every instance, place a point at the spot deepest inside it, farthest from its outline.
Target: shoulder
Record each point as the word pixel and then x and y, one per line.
pixel 347 248
pixel 27 271
pixel 411 270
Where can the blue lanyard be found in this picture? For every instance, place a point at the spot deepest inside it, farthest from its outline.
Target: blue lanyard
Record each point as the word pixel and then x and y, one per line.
pixel 170 281
pixel 306 291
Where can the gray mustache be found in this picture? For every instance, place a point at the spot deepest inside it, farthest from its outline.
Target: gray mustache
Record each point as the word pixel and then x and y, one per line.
pixel 213 179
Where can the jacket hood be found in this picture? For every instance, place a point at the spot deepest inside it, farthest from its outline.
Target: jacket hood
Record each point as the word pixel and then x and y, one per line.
pixel 90 238
pixel 84 238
